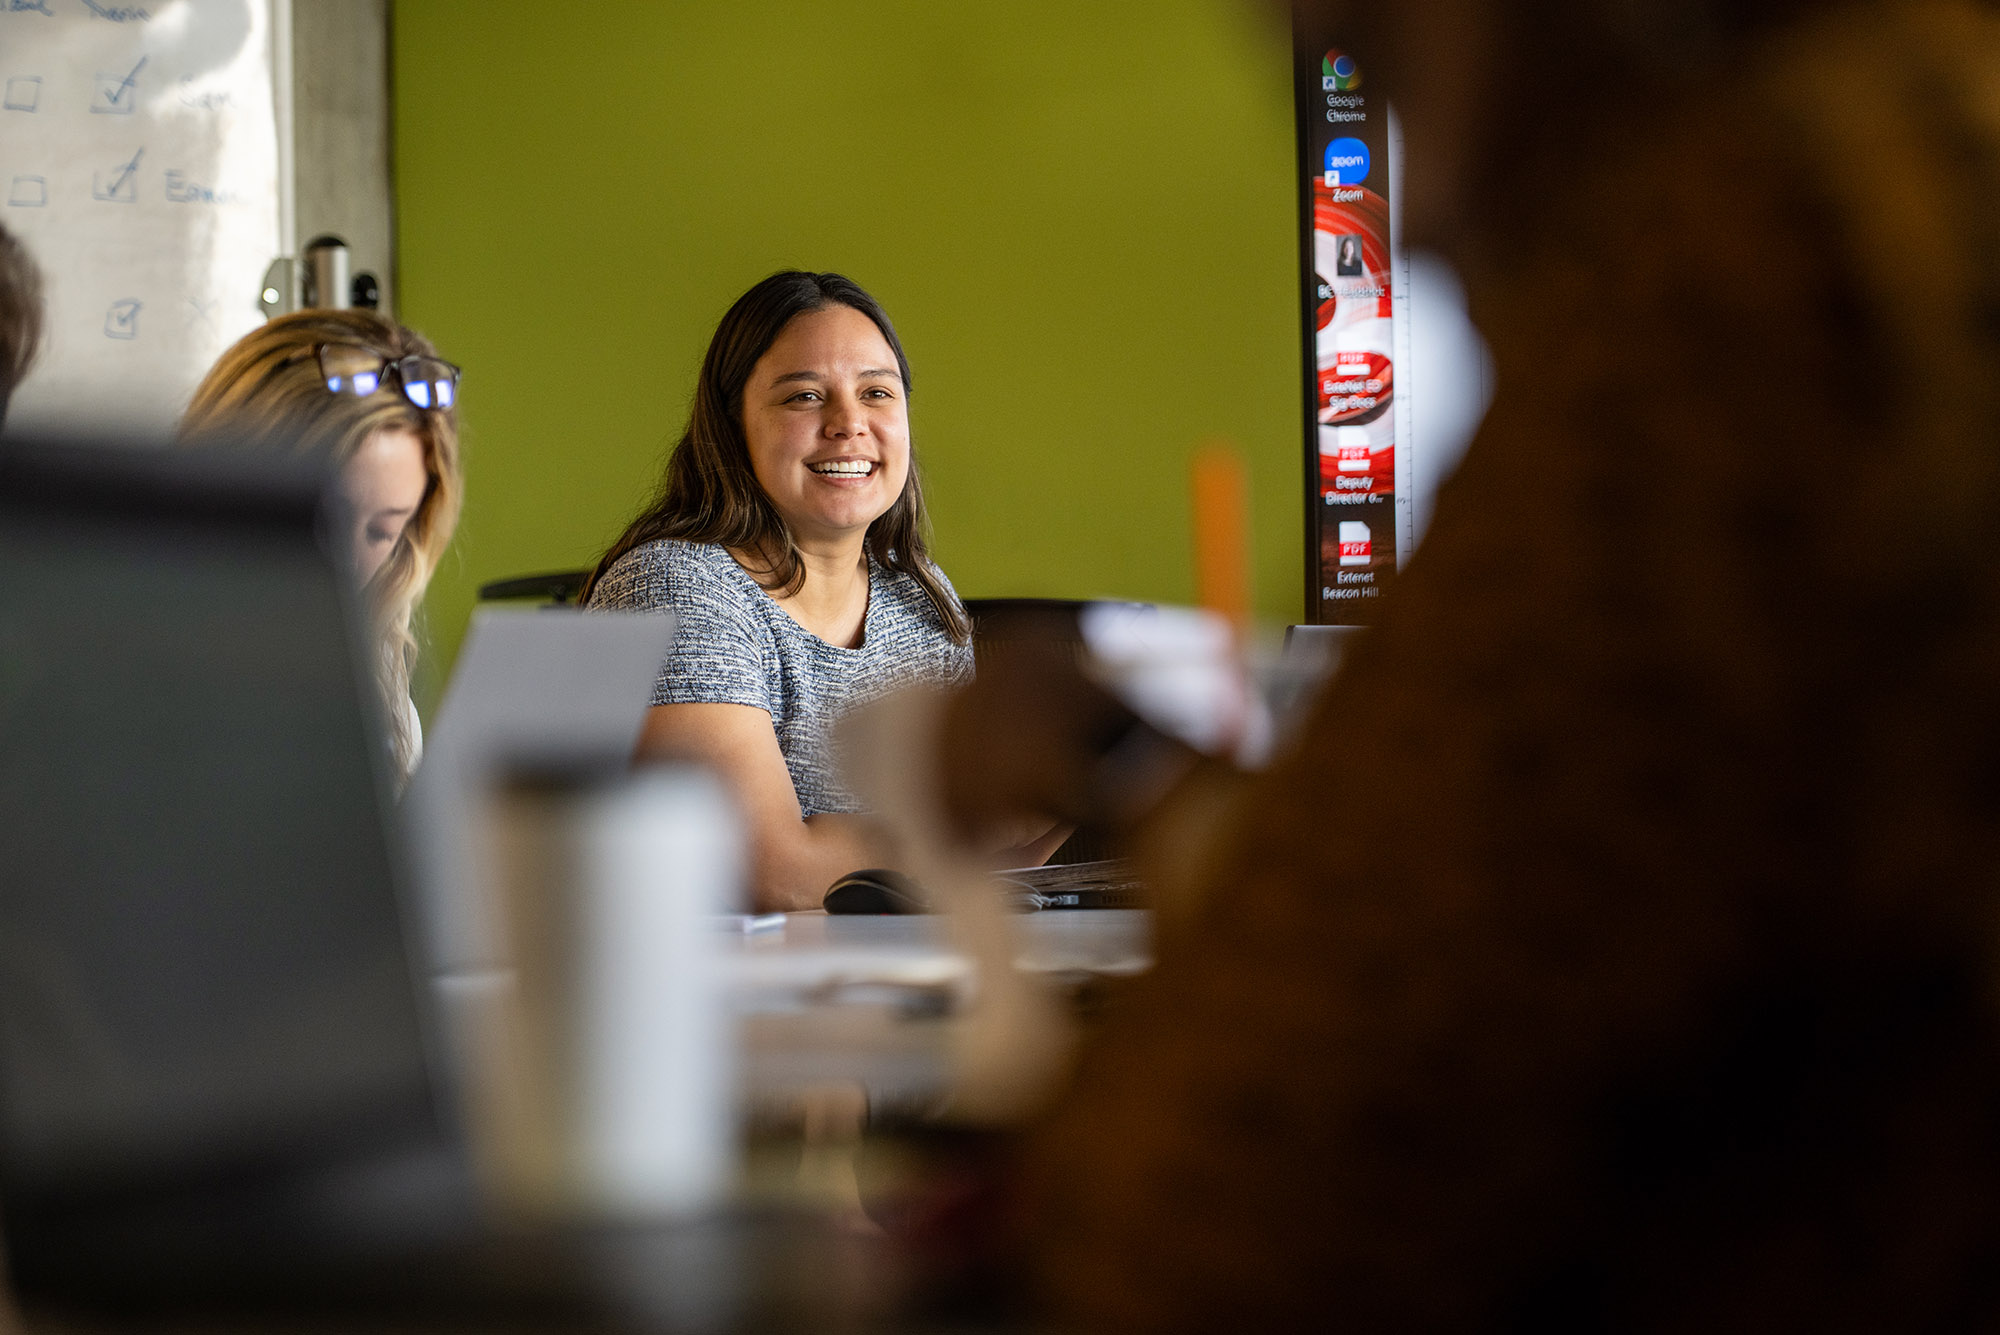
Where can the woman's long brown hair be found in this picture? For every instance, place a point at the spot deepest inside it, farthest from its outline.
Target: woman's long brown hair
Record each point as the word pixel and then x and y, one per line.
pixel 711 494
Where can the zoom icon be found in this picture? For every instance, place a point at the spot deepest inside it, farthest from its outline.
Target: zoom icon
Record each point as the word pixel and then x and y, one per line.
pixel 1347 162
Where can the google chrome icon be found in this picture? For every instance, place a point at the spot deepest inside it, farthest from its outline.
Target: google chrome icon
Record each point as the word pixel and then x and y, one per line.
pixel 1339 73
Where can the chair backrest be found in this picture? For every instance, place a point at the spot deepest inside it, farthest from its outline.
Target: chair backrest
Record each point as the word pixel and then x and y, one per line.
pixel 558 587
pixel 1014 617
pixel 1001 625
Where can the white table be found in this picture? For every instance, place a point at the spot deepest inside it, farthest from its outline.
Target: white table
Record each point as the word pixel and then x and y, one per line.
pixel 867 1000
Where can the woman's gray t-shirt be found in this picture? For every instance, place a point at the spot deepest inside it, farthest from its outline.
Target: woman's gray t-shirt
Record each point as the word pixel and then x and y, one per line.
pixel 733 645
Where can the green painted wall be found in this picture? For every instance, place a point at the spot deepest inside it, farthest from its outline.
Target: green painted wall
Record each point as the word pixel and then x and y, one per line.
pixel 1079 215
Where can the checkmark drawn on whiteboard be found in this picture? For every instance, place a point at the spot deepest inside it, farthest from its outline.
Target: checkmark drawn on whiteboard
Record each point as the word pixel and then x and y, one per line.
pixel 121 187
pixel 122 320
pixel 115 96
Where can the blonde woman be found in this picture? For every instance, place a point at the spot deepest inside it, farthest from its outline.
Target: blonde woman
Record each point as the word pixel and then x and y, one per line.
pixel 380 406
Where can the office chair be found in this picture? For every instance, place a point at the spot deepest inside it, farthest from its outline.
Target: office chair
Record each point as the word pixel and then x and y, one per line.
pixel 558 587
pixel 1004 625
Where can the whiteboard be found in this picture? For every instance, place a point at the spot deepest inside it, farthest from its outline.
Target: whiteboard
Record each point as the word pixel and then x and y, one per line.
pixel 140 163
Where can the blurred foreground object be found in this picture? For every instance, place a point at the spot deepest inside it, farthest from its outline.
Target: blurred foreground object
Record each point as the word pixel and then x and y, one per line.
pixel 570 906
pixel 1221 504
pixel 225 1094
pixel 602 1084
pixel 1012 1043
pixel 1087 712
pixel 204 990
pixel 549 689
pixel 1183 672
pixel 1616 951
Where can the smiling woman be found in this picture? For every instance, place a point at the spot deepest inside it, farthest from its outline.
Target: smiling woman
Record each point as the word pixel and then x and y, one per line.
pixel 789 541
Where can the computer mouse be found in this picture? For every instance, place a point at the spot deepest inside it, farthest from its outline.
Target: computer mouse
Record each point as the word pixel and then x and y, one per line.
pixel 875 890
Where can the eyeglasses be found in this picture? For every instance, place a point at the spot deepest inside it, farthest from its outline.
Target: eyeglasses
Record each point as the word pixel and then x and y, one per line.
pixel 427 382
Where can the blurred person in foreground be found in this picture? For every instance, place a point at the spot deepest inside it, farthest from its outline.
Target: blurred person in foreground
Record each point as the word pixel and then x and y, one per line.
pixel 20 315
pixel 1616 948
pixel 376 403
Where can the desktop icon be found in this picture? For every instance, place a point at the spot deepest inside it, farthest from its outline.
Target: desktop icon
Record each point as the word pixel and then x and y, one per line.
pixel 1355 547
pixel 1347 262
pixel 1346 162
pixel 1338 73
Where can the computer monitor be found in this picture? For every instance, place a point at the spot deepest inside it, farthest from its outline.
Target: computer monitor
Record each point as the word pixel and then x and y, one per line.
pixel 1396 377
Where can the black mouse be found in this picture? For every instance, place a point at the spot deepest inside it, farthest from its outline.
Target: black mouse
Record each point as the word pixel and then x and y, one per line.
pixel 875 890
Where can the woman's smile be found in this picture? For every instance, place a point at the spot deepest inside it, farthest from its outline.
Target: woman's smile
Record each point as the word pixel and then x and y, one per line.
pixel 844 471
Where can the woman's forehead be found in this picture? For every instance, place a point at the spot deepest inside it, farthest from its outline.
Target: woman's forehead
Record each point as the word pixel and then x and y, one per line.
pixel 834 338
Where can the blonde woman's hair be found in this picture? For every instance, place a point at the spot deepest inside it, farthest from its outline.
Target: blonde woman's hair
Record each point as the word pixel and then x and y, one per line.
pixel 268 387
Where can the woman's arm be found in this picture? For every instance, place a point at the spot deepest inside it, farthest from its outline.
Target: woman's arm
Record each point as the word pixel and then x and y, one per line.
pixel 792 859
pixel 1033 844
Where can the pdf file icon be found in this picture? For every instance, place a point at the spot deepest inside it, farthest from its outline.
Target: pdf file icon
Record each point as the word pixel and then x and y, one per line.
pixel 1354 544
pixel 1353 459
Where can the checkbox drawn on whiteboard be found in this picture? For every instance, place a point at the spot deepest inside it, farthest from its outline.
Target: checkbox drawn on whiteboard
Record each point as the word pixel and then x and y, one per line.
pixel 24 93
pixel 120 185
pixel 28 192
pixel 117 94
pixel 122 320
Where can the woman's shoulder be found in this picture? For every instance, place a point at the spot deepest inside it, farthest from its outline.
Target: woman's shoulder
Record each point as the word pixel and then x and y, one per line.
pixel 666 573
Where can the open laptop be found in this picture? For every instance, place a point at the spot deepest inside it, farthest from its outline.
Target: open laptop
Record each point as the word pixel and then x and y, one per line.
pixel 532 687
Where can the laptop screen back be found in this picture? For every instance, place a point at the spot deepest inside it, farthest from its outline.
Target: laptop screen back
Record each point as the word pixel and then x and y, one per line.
pixel 202 954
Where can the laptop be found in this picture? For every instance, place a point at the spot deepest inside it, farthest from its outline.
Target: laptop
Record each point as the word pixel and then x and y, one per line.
pixel 535 688
pixel 213 1036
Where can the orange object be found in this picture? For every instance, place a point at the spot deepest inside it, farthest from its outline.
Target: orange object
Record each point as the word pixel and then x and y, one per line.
pixel 1222 532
